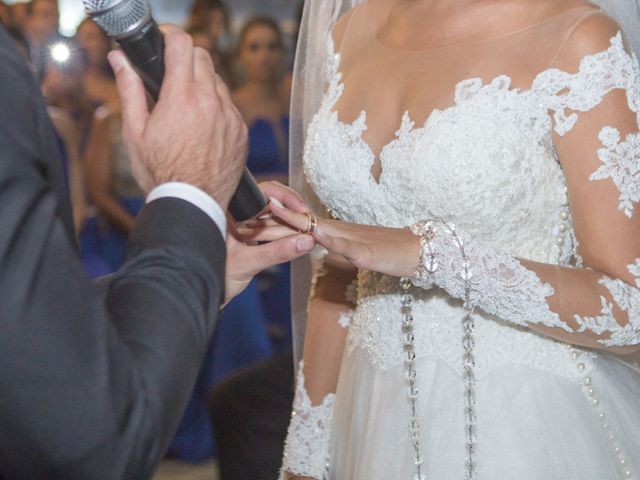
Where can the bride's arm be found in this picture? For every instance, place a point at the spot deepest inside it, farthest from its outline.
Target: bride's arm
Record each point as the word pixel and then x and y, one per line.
pixel 330 304
pixel 596 304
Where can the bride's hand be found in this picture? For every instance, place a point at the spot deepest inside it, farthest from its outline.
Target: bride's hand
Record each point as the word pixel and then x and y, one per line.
pixel 392 251
pixel 245 258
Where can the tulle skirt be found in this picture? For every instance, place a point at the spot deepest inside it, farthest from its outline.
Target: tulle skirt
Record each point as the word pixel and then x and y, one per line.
pixel 532 424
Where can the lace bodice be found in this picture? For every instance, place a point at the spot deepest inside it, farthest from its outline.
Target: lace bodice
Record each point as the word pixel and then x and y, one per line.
pixel 488 164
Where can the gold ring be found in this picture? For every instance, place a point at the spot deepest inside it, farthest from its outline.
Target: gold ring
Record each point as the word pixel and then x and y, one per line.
pixel 313 223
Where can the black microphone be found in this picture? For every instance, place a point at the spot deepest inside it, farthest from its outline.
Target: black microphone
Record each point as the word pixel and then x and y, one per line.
pixel 129 22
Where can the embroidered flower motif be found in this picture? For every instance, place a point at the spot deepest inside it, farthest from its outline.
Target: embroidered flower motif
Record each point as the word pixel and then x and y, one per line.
pixel 621 163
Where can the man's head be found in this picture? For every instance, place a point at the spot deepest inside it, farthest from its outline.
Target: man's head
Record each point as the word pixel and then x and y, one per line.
pixel 42 19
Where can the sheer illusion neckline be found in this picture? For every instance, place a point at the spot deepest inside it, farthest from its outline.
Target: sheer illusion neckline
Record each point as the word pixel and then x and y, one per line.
pixel 439 48
pixel 499 83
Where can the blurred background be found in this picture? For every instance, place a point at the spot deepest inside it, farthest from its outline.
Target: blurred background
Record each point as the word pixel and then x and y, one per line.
pixel 235 424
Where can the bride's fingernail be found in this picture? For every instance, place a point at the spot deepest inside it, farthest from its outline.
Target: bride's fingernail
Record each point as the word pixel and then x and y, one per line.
pixel 267 216
pixel 304 243
pixel 276 202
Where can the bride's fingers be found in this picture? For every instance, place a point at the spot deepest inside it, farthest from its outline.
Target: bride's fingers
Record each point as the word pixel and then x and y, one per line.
pixel 342 246
pixel 286 196
pixel 297 220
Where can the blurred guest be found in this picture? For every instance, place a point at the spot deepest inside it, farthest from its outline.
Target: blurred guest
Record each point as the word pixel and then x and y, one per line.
pixel 62 91
pixel 263 101
pixel 41 29
pixel 19 15
pixel 6 17
pixel 208 23
pixel 98 78
pixel 111 184
pixel 20 40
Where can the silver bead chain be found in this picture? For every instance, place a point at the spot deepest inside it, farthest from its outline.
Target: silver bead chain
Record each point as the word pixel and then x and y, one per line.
pixel 410 362
pixel 468 361
pixel 427 233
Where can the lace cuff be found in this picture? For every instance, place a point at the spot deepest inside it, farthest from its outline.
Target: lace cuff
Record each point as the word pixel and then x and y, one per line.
pixel 500 285
pixel 307 449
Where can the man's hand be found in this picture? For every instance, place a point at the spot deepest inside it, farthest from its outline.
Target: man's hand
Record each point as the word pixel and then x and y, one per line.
pixel 245 258
pixel 194 134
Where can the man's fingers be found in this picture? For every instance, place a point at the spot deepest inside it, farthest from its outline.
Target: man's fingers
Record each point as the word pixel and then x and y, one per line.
pixel 179 60
pixel 264 234
pixel 135 110
pixel 280 251
pixel 204 71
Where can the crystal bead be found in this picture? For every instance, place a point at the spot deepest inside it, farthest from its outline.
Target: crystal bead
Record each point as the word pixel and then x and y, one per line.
pixel 405 283
pixel 468 343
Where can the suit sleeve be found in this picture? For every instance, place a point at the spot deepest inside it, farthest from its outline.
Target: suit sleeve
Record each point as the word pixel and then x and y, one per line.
pixel 92 386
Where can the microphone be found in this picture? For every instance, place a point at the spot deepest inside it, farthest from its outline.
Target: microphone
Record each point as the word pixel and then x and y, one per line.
pixel 130 24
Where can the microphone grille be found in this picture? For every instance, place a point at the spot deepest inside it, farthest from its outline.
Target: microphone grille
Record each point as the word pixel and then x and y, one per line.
pixel 118 17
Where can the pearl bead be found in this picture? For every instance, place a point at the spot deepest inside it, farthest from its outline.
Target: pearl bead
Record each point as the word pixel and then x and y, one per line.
pixel 587 381
pixel 591 392
pixel 575 355
pixel 628 473
pixel 563 227
pixel 582 367
pixel 596 402
pixel 623 462
pixel 564 215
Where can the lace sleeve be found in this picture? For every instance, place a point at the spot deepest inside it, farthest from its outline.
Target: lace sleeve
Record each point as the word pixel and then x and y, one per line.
pixel 308 441
pixel 598 144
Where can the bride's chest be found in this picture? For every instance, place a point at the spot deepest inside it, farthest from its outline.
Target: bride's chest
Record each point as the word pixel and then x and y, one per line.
pixel 485 160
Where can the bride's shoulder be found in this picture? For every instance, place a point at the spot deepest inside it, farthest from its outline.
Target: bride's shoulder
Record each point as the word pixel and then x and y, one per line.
pixel 592 33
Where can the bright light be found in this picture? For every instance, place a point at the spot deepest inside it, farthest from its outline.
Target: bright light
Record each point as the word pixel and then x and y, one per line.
pixel 60 52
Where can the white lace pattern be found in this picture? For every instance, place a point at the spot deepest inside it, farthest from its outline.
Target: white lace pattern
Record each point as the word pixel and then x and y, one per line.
pixel 493 147
pixel 306 451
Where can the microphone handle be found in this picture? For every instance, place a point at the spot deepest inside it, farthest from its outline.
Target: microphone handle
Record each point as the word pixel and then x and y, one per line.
pixel 145 50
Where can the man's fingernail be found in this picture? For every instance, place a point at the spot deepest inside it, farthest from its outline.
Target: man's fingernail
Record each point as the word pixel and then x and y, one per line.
pixel 115 59
pixel 304 243
pixel 276 202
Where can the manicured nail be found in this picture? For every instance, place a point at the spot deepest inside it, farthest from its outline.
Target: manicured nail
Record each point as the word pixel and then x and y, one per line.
pixel 267 216
pixel 304 243
pixel 276 202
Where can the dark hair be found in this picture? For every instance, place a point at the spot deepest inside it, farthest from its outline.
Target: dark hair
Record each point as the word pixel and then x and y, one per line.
pixel 31 5
pixel 261 21
pixel 201 8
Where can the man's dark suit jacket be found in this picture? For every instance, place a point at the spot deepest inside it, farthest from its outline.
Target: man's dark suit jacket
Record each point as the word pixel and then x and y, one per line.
pixel 91 387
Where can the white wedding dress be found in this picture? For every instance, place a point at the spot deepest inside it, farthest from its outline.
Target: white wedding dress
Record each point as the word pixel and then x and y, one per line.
pixel 546 410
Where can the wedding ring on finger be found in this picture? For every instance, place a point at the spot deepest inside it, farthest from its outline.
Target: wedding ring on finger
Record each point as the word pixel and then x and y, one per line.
pixel 312 225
